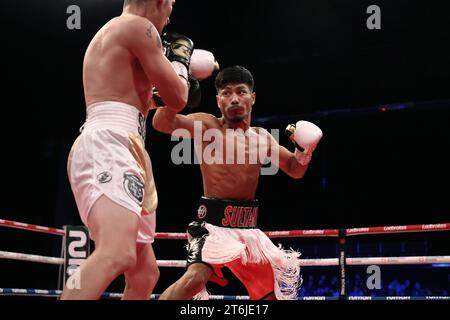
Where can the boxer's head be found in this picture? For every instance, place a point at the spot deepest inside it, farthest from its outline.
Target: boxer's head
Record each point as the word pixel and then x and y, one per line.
pixel 136 2
pixel 235 96
pixel 235 74
pixel 157 11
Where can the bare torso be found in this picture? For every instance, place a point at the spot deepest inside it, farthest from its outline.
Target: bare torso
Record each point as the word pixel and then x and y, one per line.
pixel 111 72
pixel 231 180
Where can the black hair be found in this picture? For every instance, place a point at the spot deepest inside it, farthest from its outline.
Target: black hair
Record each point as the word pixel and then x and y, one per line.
pixel 234 74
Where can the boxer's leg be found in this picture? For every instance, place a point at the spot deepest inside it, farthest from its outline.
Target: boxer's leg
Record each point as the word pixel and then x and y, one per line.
pixel 191 283
pixel 141 279
pixel 114 230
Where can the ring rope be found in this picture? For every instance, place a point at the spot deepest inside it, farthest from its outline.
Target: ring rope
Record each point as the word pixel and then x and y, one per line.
pixel 302 262
pixel 30 257
pixel 31 227
pixel 270 234
pixel 111 295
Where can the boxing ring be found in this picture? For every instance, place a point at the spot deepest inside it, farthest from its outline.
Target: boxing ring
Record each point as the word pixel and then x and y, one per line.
pixel 342 261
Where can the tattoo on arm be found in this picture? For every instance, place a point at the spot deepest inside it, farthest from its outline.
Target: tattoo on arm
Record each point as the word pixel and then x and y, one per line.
pixel 149 32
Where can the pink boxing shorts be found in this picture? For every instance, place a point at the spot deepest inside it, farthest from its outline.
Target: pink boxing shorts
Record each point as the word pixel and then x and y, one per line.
pixel 109 158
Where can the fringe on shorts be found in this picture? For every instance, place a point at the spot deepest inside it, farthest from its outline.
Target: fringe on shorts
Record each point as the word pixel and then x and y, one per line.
pixel 224 245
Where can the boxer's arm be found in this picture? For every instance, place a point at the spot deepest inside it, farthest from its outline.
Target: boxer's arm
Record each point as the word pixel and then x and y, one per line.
pixel 145 43
pixel 185 126
pixel 283 158
pixel 305 135
pixel 290 165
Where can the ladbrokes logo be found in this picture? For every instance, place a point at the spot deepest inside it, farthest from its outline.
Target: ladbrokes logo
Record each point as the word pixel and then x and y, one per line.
pixel 434 226
pixel 395 228
pixel 313 232
pixel 232 147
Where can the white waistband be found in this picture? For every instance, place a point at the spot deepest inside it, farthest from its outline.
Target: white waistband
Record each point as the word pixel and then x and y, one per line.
pixel 114 115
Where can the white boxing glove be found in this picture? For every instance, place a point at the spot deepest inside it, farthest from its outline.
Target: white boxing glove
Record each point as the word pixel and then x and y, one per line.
pixel 203 64
pixel 305 135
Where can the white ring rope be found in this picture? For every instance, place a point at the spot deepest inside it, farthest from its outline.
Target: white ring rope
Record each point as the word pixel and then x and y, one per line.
pixel 30 257
pixel 303 262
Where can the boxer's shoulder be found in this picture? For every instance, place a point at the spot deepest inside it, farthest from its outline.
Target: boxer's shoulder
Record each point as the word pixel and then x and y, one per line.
pixel 208 120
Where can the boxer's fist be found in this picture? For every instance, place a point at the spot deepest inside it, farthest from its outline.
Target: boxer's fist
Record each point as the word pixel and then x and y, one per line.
pixel 305 135
pixel 203 64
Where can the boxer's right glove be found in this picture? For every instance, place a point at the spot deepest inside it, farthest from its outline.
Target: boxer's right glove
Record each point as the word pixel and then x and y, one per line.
pixel 178 49
pixel 305 135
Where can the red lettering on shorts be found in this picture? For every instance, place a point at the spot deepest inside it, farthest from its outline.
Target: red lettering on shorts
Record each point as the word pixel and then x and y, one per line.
pixel 240 217
pixel 240 222
pixel 243 216
pixel 226 221
pixel 234 216
pixel 253 218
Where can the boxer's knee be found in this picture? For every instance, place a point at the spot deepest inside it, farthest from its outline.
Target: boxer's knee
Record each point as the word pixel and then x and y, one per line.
pixel 142 284
pixel 119 261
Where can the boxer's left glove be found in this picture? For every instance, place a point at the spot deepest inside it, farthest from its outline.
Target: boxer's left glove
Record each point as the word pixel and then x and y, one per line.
pixel 178 49
pixel 305 135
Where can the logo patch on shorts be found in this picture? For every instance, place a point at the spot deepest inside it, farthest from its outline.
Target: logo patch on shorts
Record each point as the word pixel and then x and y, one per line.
pixel 104 177
pixel 201 212
pixel 134 187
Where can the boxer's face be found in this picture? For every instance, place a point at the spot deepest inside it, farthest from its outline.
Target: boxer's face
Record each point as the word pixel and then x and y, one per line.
pixel 165 9
pixel 169 8
pixel 235 100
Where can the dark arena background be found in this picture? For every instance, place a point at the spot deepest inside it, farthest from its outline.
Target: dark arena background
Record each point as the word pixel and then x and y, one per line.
pixel 381 97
